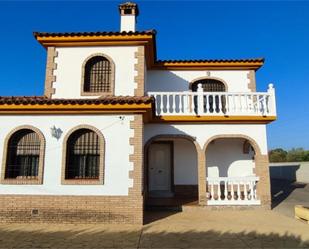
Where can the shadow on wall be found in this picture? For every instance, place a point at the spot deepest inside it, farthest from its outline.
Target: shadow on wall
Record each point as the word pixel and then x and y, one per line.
pixel 225 158
pixel 169 130
pixel 102 236
pixel 166 81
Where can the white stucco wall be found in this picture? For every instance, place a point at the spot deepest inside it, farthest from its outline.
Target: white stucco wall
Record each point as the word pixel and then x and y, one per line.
pixel 185 163
pixel 127 23
pixel 69 69
pixel 173 81
pixel 117 151
pixel 203 132
pixel 225 158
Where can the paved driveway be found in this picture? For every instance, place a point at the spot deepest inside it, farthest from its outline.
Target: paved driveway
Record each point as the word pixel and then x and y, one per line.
pixel 201 229
pixel 288 194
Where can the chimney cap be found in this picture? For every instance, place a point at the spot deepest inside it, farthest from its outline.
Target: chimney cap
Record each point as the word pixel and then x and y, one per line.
pixel 128 8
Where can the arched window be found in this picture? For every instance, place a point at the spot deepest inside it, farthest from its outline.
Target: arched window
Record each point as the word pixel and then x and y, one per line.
pixel 83 151
pixel 98 75
pixel 215 103
pixel 23 155
pixel 209 85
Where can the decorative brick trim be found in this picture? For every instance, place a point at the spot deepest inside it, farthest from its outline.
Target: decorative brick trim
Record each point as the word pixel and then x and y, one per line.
pixel 252 83
pixel 112 87
pixel 202 176
pixel 39 179
pixel 136 174
pixel 263 186
pixel 50 78
pixel 99 181
pixel 139 68
pixel 69 209
pixel 137 157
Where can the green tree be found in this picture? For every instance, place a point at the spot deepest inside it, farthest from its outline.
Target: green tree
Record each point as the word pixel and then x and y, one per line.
pixel 306 156
pixel 277 155
pixel 296 155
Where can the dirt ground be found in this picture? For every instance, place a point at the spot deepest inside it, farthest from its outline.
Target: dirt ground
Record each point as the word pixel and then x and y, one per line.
pixel 198 229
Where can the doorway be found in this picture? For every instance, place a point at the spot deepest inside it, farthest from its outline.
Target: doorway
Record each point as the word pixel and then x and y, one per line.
pixel 160 169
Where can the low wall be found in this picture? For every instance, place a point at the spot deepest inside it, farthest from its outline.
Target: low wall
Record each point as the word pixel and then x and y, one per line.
pixel 294 171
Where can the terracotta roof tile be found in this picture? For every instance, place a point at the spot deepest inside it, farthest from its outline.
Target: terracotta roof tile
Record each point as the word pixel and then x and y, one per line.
pixel 102 33
pixel 41 100
pixel 212 60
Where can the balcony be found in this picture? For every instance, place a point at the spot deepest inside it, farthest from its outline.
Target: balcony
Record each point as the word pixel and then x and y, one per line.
pixel 226 104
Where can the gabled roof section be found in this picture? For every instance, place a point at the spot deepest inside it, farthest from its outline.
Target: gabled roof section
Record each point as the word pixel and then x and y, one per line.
pixel 142 38
pixel 71 39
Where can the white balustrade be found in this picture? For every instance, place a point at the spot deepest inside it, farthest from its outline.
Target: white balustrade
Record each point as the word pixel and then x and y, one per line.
pixel 232 190
pixel 215 103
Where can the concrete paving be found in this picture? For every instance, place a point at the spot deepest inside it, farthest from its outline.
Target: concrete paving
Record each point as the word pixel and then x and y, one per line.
pixel 287 194
pixel 195 229
pixel 200 229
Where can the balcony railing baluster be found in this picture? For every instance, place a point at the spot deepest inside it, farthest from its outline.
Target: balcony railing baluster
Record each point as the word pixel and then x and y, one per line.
pixel 215 103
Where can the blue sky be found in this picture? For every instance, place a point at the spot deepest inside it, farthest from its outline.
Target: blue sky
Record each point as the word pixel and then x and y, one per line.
pixel 277 30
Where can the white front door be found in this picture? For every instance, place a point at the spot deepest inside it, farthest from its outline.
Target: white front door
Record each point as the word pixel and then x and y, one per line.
pixel 159 167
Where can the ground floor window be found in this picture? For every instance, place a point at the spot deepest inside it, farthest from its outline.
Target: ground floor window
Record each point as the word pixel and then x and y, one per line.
pixel 23 155
pixel 83 155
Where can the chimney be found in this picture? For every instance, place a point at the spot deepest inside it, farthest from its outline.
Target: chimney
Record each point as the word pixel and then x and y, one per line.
pixel 128 13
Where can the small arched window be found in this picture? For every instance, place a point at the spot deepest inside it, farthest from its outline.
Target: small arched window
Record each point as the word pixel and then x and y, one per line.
pixel 98 75
pixel 83 155
pixel 209 85
pixel 23 155
pixel 212 103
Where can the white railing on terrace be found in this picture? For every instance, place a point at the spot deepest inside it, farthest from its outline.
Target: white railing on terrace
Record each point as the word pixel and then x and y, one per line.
pixel 232 190
pixel 215 103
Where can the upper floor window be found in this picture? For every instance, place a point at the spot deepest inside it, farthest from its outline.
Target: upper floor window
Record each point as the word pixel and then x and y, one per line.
pixel 213 103
pixel 24 156
pixel 98 76
pixel 209 85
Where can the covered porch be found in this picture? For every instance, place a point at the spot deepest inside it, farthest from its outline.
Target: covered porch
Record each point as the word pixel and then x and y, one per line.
pixel 171 172
pixel 224 172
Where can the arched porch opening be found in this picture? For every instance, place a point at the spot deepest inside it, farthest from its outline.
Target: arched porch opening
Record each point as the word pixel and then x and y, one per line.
pixel 231 170
pixel 171 170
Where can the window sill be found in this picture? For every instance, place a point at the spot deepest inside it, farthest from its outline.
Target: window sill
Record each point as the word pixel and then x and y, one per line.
pixel 98 94
pixel 82 182
pixel 22 181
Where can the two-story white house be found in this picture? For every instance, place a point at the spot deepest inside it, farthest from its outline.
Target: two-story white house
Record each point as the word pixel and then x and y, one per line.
pixel 117 130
